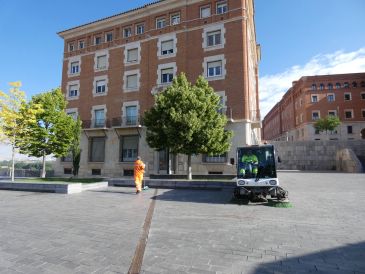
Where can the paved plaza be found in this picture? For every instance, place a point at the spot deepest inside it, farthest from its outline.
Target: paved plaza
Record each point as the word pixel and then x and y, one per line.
pixel 191 231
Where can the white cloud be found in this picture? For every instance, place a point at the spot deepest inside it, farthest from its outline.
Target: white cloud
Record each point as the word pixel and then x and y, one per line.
pixel 273 87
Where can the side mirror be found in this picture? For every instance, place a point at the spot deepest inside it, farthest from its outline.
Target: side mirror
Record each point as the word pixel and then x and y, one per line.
pixel 279 160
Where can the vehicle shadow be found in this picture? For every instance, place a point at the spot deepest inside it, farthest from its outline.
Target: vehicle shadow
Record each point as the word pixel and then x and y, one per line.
pixel 344 259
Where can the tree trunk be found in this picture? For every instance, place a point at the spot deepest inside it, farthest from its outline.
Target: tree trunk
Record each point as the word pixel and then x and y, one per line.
pixel 190 175
pixel 12 163
pixel 43 175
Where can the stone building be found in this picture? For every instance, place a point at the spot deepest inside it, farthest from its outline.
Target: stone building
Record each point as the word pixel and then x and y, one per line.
pixel 113 67
pixel 314 97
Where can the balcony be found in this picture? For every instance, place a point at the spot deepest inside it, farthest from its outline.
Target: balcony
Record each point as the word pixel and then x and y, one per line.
pixel 95 124
pixel 126 121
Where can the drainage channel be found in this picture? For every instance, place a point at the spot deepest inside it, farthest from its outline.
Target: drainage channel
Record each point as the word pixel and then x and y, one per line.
pixel 137 261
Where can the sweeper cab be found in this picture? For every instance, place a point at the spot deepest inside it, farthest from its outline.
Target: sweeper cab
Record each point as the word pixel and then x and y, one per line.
pixel 256 174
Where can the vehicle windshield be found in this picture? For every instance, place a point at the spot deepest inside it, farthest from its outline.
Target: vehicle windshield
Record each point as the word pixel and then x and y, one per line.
pixel 256 162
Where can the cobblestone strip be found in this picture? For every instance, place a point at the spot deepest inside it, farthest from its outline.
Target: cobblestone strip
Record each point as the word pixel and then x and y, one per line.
pixel 137 260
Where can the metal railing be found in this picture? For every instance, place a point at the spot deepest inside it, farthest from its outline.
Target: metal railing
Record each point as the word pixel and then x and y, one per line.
pixel 126 121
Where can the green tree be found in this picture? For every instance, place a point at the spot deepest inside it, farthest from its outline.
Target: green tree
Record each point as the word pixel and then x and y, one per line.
pixel 185 120
pixel 329 123
pixel 51 133
pixel 15 114
pixel 75 146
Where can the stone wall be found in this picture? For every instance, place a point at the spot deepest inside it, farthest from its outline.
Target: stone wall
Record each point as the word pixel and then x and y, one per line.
pixel 316 155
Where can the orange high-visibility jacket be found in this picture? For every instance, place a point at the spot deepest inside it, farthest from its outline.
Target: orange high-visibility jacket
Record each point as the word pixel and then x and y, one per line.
pixel 138 169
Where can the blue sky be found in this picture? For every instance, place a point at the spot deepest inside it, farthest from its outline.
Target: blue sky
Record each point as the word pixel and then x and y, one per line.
pixel 298 37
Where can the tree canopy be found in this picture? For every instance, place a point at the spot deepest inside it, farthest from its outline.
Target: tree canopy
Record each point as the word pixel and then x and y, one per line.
pixel 329 123
pixel 186 119
pixel 51 132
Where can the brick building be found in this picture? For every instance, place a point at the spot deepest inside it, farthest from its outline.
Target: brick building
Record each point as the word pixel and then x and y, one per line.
pixel 113 67
pixel 314 97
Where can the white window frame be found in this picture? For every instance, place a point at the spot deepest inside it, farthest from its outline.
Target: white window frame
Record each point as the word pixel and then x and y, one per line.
pixel 100 78
pixel 98 54
pixel 224 3
pixel 81 42
pixel 143 28
pixel 166 38
pixel 203 8
pixel 74 60
pixel 130 46
pixel 222 94
pixel 71 46
pixel 319 115
pixel 130 33
pixel 334 111
pixel 174 16
pixel 106 36
pixel 98 107
pixel 162 67
pixel 331 94
pixel 352 114
pixel 70 111
pixel 209 29
pixel 129 73
pixel 344 96
pixel 73 83
pixel 95 39
pixel 160 19
pixel 312 98
pixel 124 109
pixel 211 59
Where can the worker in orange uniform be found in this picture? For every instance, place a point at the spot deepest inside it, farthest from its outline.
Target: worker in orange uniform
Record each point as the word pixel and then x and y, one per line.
pixel 139 167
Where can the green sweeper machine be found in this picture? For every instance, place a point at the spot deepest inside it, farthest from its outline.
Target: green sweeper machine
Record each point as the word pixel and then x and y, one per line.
pixel 257 179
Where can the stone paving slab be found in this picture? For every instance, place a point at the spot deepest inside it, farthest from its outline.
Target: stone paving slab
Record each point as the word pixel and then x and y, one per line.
pixel 192 231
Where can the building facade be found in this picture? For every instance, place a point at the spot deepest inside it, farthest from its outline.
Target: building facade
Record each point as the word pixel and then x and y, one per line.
pixel 113 67
pixel 314 97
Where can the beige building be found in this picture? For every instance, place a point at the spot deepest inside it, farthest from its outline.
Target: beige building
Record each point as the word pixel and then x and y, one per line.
pixel 314 97
pixel 113 67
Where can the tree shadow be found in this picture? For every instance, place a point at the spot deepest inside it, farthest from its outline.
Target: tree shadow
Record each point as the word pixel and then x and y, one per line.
pixel 345 259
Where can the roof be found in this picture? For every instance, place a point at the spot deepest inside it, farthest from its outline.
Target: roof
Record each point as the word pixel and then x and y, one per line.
pixel 113 16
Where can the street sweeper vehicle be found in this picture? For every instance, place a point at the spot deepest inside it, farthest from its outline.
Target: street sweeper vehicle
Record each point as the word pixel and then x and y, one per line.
pixel 256 174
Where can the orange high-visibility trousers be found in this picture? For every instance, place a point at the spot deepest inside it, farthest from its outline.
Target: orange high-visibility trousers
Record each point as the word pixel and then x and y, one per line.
pixel 138 174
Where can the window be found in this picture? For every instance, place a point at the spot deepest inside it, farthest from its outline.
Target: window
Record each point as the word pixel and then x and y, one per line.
pixel 140 29
pixel 363 113
pixel 132 81
pixel 101 62
pixel 99 118
pixel 167 75
pixel 131 115
pixel 354 84
pixel 332 113
pixel 363 96
pixel 315 115
pixel 175 19
pixel 100 86
pixel 98 40
pixel 67 170
pixel 214 68
pixel 346 85
pixel 73 115
pixel 73 91
pixel 127 32
pixel 362 84
pixel 71 47
pixel 330 97
pixel 338 85
pixel 349 130
pixel 167 47
pixel 129 148
pixel 81 44
pixel 321 87
pixel 215 158
pixel 160 23
pixel 348 114
pixel 109 37
pixel 132 55
pixel 347 96
pixel 97 149
pixel 214 38
pixel 205 12
pixel 314 98
pixel 330 86
pixel 75 67
pixel 222 8
pixel 314 87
